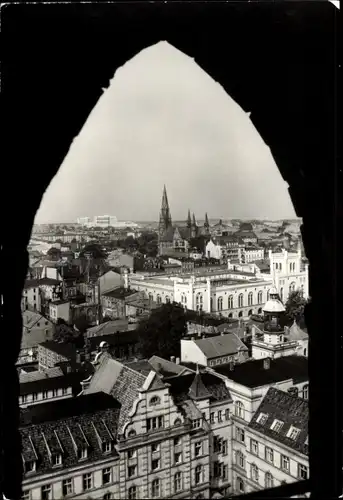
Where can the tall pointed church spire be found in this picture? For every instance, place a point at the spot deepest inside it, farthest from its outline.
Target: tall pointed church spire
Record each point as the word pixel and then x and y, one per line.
pixel 194 221
pixel 165 216
pixel 189 220
pixel 206 224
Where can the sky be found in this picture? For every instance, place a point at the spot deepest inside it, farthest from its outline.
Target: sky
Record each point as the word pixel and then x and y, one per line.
pixel 163 120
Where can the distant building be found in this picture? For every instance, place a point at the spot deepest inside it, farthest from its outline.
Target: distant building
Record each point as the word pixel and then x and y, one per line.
pixel 84 221
pixel 105 220
pixel 275 340
pixel 51 384
pixel 215 350
pixel 59 309
pixel 50 353
pixel 224 248
pixel 36 329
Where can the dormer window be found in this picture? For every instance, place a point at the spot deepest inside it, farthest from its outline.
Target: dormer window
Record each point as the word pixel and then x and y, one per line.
pixel 196 423
pixel 30 466
pixel 131 433
pixel 276 425
pixel 56 459
pixel 293 433
pixel 262 418
pixel 82 453
pixel 106 446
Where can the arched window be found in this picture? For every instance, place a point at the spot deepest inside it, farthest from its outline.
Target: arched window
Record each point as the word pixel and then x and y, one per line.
pixel 292 287
pixel 240 459
pixel 230 315
pixel 177 421
pixel 150 297
pixel 155 488
pixel 131 433
pixel 240 485
pixel 250 299
pixel 220 303
pixel 268 480
pixel 280 267
pixel 155 400
pixel 305 391
pixel 259 310
pixel 240 314
pixel 240 300
pixel 276 265
pixel 281 294
pixel 293 391
pixel 177 482
pixel 132 493
pixel 230 302
pixel 239 409
pixel 158 299
pixel 199 474
pixel 250 312
pixel 254 472
pixel 260 297
pixel 167 300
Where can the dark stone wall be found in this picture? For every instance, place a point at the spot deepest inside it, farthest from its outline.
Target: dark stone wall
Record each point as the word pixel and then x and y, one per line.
pixel 277 60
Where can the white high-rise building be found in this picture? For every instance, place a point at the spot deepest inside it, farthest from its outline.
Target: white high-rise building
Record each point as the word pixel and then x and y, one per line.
pixel 105 220
pixel 83 221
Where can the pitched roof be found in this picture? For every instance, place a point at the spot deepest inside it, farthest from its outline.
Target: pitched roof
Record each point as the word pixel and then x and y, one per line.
pixel 179 387
pixel 62 424
pixel 168 235
pixel 119 293
pixel 31 318
pixel 221 345
pixel 290 410
pixel 109 327
pixel 66 350
pixel 197 389
pixel 297 333
pixel 114 340
pixel 47 383
pixel 253 374
pixel 119 381
pixel 165 367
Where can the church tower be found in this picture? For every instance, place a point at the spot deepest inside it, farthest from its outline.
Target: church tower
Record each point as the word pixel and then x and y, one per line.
pixel 165 216
pixel 206 225
pixel 194 229
pixel 189 220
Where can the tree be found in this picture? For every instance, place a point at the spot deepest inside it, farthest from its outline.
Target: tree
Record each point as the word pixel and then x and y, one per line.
pixel 162 332
pixel 82 323
pixel 295 307
pixel 67 334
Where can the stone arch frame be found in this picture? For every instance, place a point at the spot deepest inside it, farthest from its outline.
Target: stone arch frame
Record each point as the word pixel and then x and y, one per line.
pixel 277 108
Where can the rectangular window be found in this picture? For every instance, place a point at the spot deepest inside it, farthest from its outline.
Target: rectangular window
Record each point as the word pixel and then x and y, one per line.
pixel 285 463
pixel 198 449
pixel 87 481
pixel 106 475
pixel 293 433
pixel 276 425
pixel 220 416
pixel 155 447
pixel 26 495
pixel 67 487
pixel 24 399
pixel 54 393
pixel 45 394
pixel 131 454
pixel 254 446
pixel 155 464
pixel 132 470
pixel 177 441
pixel 82 453
pixel 177 458
pixel 240 435
pixel 196 423
pixel 46 492
pixel 212 418
pixel 106 446
pixel 64 391
pixel 269 455
pixel 262 418
pixel 302 471
pixel 154 423
pixel 227 414
pixel 56 459
pixel 34 396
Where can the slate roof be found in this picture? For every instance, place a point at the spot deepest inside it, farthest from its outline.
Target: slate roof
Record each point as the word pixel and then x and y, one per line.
pixel 48 282
pixel 179 387
pixel 253 374
pixel 119 293
pixel 297 333
pixel 198 390
pixel 31 284
pixel 291 410
pixel 119 381
pixel 33 375
pixel 59 302
pixel 66 350
pixel 168 235
pixel 107 328
pixel 165 367
pixel 221 345
pixel 85 420
pixel 31 318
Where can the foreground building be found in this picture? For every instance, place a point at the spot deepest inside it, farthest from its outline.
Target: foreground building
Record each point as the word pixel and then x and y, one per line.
pixel 274 446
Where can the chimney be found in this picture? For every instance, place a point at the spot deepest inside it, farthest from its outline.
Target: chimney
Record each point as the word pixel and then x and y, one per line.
pixel 177 361
pixel 286 330
pixel 266 363
pixel 172 359
pixel 78 357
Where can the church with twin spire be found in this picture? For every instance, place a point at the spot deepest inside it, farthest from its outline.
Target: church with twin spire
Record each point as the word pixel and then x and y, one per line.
pixel 177 239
